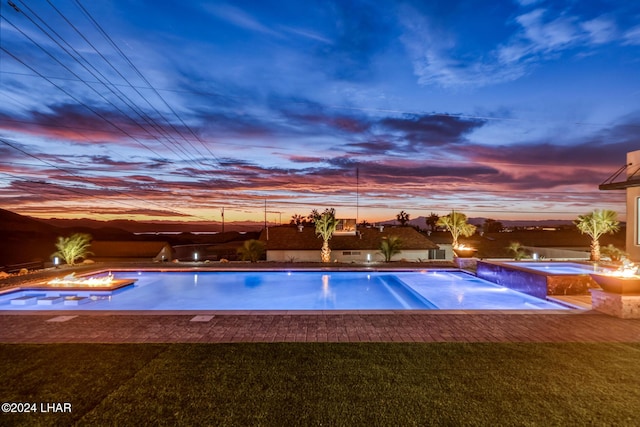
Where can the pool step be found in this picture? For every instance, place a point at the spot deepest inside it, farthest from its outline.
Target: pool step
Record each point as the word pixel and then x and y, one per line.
pixel 409 298
pixel 75 300
pixel 50 300
pixel 25 300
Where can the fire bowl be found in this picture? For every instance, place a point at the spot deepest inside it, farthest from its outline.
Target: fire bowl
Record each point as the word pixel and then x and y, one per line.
pixel 617 284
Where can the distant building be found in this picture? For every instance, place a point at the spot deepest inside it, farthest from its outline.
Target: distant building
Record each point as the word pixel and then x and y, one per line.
pixel 300 244
pixel 632 186
pixel 107 250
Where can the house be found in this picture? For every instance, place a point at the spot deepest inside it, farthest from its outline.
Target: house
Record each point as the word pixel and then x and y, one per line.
pixel 301 244
pixel 632 187
pixel 111 250
pixel 443 240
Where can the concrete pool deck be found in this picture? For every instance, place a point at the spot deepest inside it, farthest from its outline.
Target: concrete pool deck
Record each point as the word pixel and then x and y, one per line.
pixel 405 326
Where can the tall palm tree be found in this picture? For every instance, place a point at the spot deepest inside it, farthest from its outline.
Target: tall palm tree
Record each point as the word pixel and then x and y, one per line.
pixel 297 219
pixel 311 218
pixel 390 247
pixel 326 224
pixel 432 221
pixel 72 248
pixel 595 224
pixel 403 218
pixel 364 223
pixel 456 224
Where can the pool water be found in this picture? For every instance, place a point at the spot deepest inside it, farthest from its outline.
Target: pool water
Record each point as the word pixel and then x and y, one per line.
pixel 426 290
pixel 557 267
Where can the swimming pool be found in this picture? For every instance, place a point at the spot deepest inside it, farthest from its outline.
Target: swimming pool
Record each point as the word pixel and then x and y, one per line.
pixel 557 267
pixel 425 290
pixel 539 278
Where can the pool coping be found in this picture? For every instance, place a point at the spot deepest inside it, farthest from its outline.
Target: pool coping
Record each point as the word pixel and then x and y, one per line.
pixel 570 311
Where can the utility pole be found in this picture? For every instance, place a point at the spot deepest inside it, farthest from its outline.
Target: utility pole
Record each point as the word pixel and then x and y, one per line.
pixel 266 229
pixel 357 194
pixel 265 214
pixel 222 213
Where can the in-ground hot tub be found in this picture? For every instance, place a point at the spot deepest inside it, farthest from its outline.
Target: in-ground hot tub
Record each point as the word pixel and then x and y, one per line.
pixel 539 278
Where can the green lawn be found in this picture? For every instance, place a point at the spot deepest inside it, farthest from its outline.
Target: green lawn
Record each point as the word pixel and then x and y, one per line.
pixel 287 384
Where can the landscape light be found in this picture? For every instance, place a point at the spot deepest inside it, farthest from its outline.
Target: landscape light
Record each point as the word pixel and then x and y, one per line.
pixel 56 261
pixel 195 256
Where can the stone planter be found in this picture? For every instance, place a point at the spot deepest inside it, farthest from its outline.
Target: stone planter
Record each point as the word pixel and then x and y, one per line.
pixel 617 284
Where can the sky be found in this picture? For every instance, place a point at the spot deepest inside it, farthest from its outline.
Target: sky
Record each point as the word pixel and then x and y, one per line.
pixel 161 110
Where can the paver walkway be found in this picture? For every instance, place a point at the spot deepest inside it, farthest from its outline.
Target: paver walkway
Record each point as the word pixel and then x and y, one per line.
pixel 439 326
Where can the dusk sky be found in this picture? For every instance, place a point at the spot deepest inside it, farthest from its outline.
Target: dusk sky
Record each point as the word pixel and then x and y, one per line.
pixel 174 110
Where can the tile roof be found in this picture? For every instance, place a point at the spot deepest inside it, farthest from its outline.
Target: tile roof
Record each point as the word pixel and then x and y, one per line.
pixel 289 238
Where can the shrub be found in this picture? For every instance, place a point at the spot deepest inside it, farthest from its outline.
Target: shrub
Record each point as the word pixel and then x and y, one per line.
pixel 72 248
pixel 615 254
pixel 390 247
pixel 252 250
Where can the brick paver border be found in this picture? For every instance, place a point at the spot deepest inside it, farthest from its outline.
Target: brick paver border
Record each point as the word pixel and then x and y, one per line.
pixel 440 326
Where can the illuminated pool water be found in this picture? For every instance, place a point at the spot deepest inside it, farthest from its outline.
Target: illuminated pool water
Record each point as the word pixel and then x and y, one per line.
pixel 556 267
pixel 287 291
pixel 539 278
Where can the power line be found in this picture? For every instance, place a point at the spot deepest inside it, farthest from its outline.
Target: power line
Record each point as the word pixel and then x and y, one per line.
pixel 108 38
pixel 80 79
pixel 149 120
pixel 80 178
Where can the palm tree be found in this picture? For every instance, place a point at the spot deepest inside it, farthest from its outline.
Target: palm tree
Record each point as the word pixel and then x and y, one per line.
pixel 251 250
pixel 364 223
pixel 325 226
pixel 390 247
pixel 595 224
pixel 456 224
pixel 432 221
pixel 518 250
pixel 313 216
pixel 403 218
pixel 73 247
pixel 297 219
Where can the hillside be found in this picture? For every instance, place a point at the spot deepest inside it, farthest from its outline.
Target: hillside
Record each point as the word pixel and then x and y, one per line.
pixel 26 239
pixel 10 221
pixel 156 226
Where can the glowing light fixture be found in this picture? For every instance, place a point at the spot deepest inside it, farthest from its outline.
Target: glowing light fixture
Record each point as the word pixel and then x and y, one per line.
pixel 628 269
